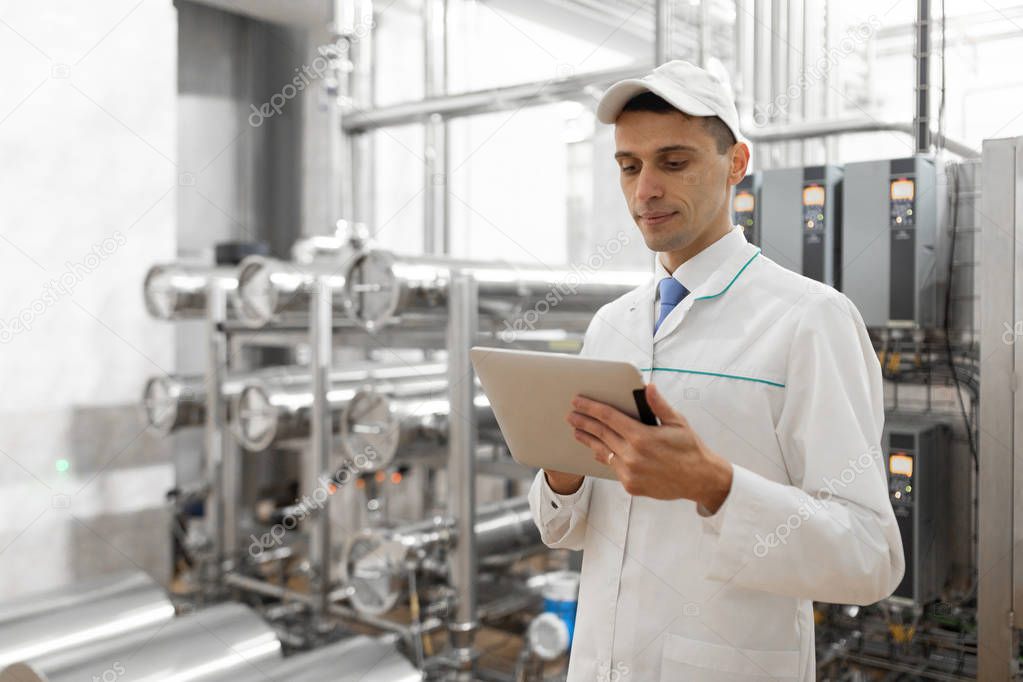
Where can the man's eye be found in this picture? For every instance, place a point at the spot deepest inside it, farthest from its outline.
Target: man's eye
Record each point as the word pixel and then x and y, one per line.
pixel 675 165
pixel 628 169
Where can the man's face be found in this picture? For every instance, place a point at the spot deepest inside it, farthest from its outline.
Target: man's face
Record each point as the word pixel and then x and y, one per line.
pixel 674 179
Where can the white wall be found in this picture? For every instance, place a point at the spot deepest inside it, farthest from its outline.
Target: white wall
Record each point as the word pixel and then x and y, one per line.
pixel 87 142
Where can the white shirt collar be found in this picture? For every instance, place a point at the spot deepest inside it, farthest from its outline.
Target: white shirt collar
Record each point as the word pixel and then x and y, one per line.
pixel 698 269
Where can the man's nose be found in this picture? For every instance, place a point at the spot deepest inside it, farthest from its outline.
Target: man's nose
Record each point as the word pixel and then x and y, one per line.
pixel 648 185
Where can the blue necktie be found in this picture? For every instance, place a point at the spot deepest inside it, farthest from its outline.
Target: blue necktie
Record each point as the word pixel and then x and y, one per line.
pixel 672 292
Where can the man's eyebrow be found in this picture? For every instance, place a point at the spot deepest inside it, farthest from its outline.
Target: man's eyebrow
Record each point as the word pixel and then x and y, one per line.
pixel 661 150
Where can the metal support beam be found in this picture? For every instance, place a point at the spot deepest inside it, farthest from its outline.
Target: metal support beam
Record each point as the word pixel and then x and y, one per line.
pixel 435 199
pixel 339 183
pixel 361 147
pixel 216 435
pixel 662 31
pixel 318 453
pixel 462 326
pixel 922 115
pixel 1002 209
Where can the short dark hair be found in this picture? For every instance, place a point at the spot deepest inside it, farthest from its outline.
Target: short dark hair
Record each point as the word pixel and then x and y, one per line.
pixel 648 101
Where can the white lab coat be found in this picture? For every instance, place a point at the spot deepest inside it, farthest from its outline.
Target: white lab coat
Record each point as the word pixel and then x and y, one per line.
pixel 777 374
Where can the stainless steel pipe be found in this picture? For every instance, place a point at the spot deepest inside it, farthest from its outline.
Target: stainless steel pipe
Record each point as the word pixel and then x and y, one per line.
pixel 380 414
pixel 313 248
pixel 277 410
pixel 376 561
pixel 279 292
pixel 222 643
pixel 177 291
pixel 380 286
pixel 176 401
pixel 80 615
pixel 507 98
pixel 357 659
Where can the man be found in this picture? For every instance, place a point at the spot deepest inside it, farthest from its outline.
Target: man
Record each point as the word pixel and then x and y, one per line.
pixel 763 487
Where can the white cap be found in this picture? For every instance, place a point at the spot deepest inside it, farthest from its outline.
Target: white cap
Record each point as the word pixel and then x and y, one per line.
pixel 685 86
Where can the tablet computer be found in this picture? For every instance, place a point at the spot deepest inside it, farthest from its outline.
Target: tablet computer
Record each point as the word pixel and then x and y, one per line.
pixel 531 394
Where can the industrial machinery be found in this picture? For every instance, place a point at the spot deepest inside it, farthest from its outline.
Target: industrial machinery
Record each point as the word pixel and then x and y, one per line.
pixel 746 206
pixel 801 213
pixel 377 561
pixel 916 454
pixel 353 413
pixel 369 357
pixel 889 241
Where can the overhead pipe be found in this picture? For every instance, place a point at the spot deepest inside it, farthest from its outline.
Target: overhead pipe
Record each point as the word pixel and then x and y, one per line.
pixel 508 98
pixel 781 133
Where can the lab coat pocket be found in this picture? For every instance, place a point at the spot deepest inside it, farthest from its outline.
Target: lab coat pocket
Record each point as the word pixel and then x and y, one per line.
pixel 695 661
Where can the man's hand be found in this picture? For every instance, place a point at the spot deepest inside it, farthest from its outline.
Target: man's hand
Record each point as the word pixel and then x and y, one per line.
pixel 666 462
pixel 562 483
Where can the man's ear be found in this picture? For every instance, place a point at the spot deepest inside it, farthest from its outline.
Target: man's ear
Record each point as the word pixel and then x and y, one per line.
pixel 739 162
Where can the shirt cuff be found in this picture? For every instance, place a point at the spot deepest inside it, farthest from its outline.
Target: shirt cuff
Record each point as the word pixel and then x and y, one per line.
pixel 551 502
pixel 557 500
pixel 712 522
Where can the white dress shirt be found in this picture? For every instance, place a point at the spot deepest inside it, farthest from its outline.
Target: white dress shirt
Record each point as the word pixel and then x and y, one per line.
pixel 776 373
